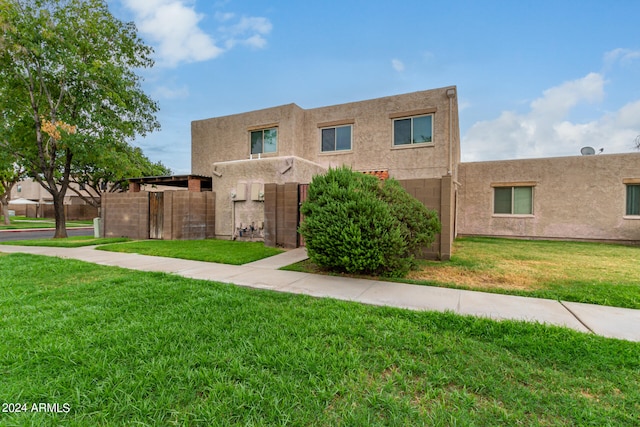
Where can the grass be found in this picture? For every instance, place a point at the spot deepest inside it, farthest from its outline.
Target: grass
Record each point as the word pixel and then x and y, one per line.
pixel 69 242
pixel 133 348
pixel 595 273
pixel 210 250
pixel 21 222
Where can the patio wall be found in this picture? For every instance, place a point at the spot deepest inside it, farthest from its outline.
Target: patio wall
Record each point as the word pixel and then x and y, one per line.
pixel 185 215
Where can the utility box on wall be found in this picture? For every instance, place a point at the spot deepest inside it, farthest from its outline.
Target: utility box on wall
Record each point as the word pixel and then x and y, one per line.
pixel 257 191
pixel 241 191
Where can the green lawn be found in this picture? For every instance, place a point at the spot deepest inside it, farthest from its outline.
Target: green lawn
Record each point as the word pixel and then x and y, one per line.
pixel 21 222
pixel 69 242
pixel 132 348
pixel 210 250
pixel 595 273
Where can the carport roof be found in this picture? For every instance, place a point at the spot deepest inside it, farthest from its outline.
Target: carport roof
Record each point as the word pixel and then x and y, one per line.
pixel 181 181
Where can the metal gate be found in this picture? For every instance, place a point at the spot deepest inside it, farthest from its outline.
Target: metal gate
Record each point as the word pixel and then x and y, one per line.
pixel 156 215
pixel 303 189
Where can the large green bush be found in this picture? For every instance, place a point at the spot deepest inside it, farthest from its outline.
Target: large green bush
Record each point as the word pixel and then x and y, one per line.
pixel 356 224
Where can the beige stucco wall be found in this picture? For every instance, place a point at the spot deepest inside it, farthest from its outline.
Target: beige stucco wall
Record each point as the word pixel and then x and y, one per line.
pixel 226 138
pixel 230 177
pixel 579 197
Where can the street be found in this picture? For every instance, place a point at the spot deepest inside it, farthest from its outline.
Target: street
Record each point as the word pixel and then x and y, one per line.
pixel 7 235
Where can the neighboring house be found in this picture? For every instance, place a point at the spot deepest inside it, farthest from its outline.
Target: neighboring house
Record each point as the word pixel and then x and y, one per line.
pixel 594 197
pixel 413 138
pixel 31 190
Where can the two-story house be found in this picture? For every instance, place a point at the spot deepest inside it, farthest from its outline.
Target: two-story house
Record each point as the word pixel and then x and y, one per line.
pixel 413 138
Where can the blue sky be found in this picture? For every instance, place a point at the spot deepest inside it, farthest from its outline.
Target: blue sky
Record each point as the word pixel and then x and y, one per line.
pixel 535 78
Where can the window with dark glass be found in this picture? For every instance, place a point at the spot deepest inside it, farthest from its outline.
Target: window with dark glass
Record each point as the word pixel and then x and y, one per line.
pixel 336 138
pixel 513 200
pixel 264 141
pixel 413 130
pixel 633 199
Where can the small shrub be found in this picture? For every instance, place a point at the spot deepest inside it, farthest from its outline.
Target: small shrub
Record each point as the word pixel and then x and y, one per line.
pixel 355 224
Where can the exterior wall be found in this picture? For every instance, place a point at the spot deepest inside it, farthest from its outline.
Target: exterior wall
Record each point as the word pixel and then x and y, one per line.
pixel 438 195
pixel 237 177
pixel 372 139
pixel 281 206
pixel 281 215
pixel 579 197
pixel 224 139
pixel 126 215
pixel 75 208
pixel 71 211
pixel 32 190
pixel 186 215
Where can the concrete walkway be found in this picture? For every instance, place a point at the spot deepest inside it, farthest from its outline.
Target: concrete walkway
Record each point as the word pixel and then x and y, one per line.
pixel 610 322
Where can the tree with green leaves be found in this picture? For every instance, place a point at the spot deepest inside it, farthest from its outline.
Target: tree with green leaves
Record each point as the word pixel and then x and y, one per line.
pixel 108 172
pixel 10 174
pixel 69 66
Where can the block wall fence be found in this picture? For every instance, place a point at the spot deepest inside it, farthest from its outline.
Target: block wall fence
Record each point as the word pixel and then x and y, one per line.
pixel 282 213
pixel 185 215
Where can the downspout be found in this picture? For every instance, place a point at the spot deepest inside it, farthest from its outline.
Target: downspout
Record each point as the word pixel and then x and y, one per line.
pixel 453 221
pixel 233 215
pixel 450 94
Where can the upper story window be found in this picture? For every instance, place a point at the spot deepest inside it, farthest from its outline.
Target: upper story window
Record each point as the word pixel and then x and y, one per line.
pixel 413 130
pixel 264 141
pixel 513 200
pixel 336 138
pixel 633 199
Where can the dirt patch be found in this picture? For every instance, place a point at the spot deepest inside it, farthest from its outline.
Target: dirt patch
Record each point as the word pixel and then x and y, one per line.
pixel 508 274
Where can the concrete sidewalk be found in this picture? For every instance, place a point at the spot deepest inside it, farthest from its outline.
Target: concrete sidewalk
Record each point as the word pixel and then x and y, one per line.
pixel 610 322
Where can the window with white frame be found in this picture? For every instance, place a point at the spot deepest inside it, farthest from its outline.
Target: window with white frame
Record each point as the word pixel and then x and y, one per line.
pixel 336 138
pixel 264 141
pixel 513 200
pixel 413 130
pixel 633 199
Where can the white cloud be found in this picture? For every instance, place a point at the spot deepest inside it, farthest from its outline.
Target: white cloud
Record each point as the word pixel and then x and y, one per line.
pixel 545 131
pixel 174 29
pixel 222 17
pixel 622 55
pixel 397 65
pixel 165 92
pixel 248 31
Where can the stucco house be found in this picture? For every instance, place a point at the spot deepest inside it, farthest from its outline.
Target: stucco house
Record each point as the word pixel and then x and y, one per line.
pixel 413 138
pixel 30 189
pixel 592 197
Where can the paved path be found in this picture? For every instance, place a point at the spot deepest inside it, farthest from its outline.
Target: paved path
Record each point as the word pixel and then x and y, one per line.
pixel 610 322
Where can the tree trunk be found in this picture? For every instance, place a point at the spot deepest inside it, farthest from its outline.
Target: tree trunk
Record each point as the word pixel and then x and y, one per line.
pixel 58 207
pixel 5 211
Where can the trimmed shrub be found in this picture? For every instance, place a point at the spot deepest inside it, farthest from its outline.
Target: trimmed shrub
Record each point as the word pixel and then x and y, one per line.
pixel 355 224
